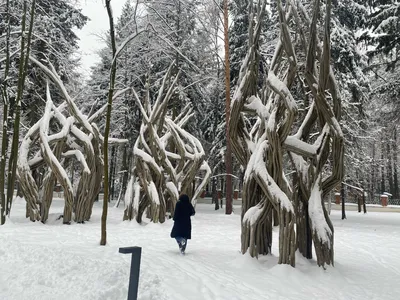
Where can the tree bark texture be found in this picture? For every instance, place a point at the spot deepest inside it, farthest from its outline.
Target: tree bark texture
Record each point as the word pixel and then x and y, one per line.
pixel 228 154
pixel 389 161
pixel 6 102
pixel 343 197
pixel 396 193
pixel 6 200
pixel 124 175
pixel 103 239
pixel 49 182
pixel 383 177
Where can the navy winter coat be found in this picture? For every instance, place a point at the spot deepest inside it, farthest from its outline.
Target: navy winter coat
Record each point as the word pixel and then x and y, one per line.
pixel 182 225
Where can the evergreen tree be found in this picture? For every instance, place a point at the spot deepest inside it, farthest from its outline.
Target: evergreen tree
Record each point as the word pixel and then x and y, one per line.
pixel 381 37
pixel 53 40
pixel 349 64
pixel 184 37
pixel 382 30
pixel 238 36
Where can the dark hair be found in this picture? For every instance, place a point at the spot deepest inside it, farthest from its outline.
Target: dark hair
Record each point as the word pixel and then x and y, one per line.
pixel 184 198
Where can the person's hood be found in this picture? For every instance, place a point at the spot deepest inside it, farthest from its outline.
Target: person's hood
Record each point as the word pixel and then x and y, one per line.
pixel 184 198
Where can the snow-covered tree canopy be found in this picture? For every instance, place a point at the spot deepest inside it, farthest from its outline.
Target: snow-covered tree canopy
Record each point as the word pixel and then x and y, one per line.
pixel 382 29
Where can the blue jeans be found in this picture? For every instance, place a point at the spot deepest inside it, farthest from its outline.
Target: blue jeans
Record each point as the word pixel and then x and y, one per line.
pixel 181 242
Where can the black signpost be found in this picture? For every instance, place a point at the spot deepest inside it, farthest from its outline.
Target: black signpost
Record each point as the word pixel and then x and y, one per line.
pixel 135 270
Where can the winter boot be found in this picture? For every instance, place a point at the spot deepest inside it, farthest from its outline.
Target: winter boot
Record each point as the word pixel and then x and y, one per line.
pixel 182 246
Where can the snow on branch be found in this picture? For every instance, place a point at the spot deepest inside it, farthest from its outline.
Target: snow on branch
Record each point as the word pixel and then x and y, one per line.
pixel 80 157
pixel 282 90
pixel 254 103
pixel 266 182
pixel 78 139
pixel 167 157
pixel 46 150
pixel 63 133
pixel 252 214
pixel 52 74
pixel 297 146
pixel 115 140
pixel 206 168
pixel 148 159
pixel 316 213
pixel 261 144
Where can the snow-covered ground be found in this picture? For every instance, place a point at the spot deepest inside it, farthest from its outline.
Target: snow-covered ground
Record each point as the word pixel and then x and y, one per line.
pixel 56 261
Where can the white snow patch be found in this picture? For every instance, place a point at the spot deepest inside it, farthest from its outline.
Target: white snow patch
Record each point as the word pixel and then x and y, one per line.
pixel 318 222
pixel 252 214
pixel 129 192
pixel 80 157
pixel 255 104
pixel 172 188
pixel 294 142
pixel 153 193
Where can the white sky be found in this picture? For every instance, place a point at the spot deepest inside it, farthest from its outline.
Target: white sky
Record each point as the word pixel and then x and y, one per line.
pixel 91 35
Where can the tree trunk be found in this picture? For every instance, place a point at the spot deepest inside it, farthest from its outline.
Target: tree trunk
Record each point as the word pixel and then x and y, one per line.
pixel 49 182
pixel 372 187
pixel 111 181
pixel 96 176
pixel 275 217
pixel 228 154
pixel 382 167
pixel 303 229
pixel 396 194
pixel 3 158
pixel 342 195
pixel 103 239
pixel 222 185
pixel 257 237
pixel 214 193
pixel 364 200
pixel 5 98
pixel 23 66
pixel 389 167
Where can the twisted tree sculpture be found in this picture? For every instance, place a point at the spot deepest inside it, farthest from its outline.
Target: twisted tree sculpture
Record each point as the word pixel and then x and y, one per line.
pixel 166 158
pixel 79 139
pixel 265 125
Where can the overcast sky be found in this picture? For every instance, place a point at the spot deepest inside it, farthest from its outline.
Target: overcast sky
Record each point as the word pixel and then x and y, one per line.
pixel 90 35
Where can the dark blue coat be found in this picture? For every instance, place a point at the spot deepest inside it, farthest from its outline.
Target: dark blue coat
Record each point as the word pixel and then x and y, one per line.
pixel 182 224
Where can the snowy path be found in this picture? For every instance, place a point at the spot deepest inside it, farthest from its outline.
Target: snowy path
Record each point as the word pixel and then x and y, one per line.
pixel 56 261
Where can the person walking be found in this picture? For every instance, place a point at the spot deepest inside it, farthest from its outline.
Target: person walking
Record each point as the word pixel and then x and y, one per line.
pixel 182 229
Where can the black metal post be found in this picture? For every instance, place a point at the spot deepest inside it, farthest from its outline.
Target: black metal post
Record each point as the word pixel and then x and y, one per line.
pixel 135 270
